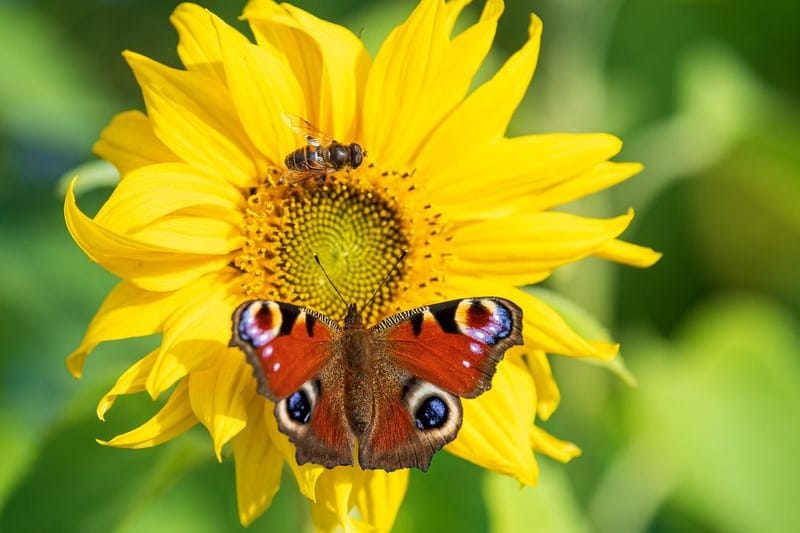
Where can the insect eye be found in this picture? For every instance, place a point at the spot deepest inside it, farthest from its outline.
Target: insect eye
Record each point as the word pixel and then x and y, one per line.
pixel 432 413
pixel 358 155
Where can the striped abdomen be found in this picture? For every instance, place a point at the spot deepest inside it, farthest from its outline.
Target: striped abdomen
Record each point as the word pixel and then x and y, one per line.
pixel 307 158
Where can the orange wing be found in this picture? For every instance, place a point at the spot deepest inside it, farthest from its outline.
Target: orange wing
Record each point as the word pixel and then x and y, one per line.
pixel 290 350
pixel 455 345
pixel 285 344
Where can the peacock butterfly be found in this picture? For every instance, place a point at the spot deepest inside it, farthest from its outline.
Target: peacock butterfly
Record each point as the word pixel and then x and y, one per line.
pixel 393 388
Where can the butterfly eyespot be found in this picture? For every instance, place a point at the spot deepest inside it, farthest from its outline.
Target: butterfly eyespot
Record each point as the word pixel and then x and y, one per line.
pixel 260 322
pixel 431 414
pixel 484 320
pixel 298 407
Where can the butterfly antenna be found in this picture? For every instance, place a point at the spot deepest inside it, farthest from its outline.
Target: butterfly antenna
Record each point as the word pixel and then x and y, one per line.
pixel 316 258
pixel 387 278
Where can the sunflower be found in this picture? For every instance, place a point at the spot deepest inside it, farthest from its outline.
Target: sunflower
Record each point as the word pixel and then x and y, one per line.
pixel 201 221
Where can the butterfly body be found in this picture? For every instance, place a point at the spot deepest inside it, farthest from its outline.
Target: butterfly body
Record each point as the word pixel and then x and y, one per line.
pixel 360 362
pixel 390 392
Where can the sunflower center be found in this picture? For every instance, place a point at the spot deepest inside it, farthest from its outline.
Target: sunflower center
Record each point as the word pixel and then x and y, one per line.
pixel 357 232
pixel 357 236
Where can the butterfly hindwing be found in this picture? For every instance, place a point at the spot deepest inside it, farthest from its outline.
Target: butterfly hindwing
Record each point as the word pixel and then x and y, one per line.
pixel 454 345
pixel 413 420
pixel 314 420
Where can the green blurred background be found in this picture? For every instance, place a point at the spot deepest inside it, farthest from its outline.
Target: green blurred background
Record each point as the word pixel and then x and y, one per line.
pixel 705 93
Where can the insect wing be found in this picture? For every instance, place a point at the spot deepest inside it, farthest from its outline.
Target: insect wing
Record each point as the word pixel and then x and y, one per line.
pixel 297 176
pixel 303 127
pixel 285 344
pixel 290 350
pixel 431 356
pixel 454 345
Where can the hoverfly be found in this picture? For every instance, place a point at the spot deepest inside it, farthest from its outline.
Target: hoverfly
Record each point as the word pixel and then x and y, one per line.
pixel 321 156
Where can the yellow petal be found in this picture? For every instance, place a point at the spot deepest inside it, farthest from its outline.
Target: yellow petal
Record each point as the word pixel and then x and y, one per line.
pixel 194 116
pixel 262 89
pixel 307 474
pixel 198 46
pixel 397 77
pixel 545 443
pixel 127 311
pixel 532 174
pixel 130 382
pixel 335 491
pixel 376 493
pixel 452 10
pixel 128 142
pixel 331 510
pixel 220 396
pixel 543 328
pixel 158 190
pixel 195 335
pixel 628 253
pixel 545 241
pixel 419 76
pixel 600 177
pixel 484 115
pixel 329 62
pixel 496 428
pixel 469 48
pixel 190 234
pixel 148 266
pixel 258 465
pixel 547 393
pixel 546 330
pixel 173 419
pixel 379 495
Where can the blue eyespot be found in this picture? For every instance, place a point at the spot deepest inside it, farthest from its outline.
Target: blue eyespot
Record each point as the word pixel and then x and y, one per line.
pixel 298 407
pixel 504 323
pixel 431 414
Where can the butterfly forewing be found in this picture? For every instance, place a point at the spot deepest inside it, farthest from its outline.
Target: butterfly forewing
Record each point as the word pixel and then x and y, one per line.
pixel 454 345
pixel 403 433
pixel 285 344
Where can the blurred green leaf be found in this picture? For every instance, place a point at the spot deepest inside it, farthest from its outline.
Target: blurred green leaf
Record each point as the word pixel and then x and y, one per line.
pixel 17 448
pixel 77 485
pixel 447 496
pixel 719 100
pixel 587 326
pixel 740 428
pixel 372 22
pixel 91 175
pixel 47 93
pixel 716 414
pixel 550 506
pixel 204 500
pixel 760 188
